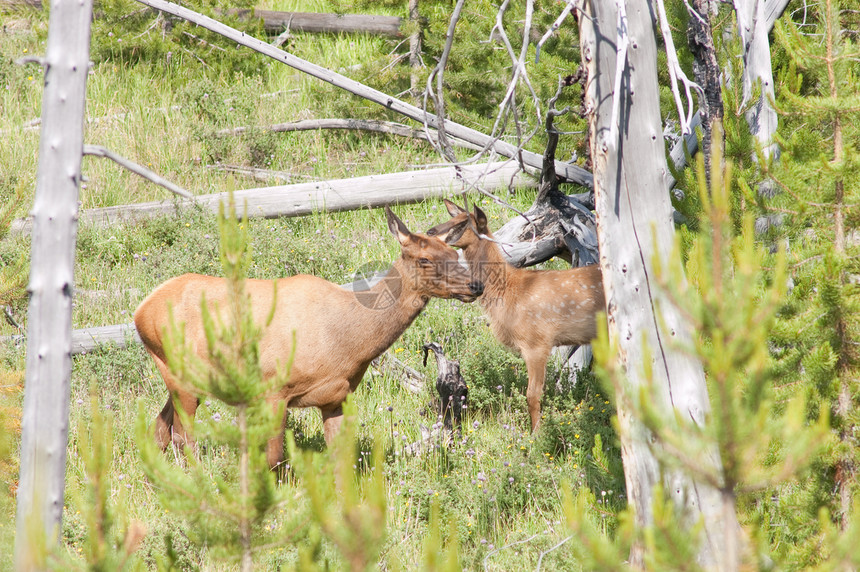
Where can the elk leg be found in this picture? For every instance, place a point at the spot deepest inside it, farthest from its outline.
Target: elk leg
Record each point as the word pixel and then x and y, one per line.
pixel 332 419
pixel 181 436
pixel 536 366
pixel 275 446
pixel 168 425
pixel 164 425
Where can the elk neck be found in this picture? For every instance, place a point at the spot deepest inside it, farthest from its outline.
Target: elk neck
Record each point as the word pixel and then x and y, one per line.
pixel 383 312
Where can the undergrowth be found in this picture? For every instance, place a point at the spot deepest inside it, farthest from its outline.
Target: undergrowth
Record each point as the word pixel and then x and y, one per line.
pixel 497 489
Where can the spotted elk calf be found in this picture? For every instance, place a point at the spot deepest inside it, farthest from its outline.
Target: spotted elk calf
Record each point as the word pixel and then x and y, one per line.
pixel 530 311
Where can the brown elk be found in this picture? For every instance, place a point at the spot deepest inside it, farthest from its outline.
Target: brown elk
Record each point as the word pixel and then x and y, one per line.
pixel 530 311
pixel 337 332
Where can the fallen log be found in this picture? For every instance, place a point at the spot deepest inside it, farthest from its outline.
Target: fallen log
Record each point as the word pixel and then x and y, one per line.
pixel 330 196
pixel 275 22
pixel 88 339
pixel 13 5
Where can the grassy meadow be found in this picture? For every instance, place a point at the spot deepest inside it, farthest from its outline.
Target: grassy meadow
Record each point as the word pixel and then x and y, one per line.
pixel 499 489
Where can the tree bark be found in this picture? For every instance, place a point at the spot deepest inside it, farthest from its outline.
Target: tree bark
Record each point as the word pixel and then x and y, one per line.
pixel 415 49
pixel 706 72
pixel 634 225
pixel 44 424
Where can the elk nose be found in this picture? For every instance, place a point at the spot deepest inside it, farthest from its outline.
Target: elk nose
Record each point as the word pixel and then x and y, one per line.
pixel 477 288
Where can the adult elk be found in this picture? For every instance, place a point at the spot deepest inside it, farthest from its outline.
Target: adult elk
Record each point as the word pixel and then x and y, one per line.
pixel 337 332
pixel 530 311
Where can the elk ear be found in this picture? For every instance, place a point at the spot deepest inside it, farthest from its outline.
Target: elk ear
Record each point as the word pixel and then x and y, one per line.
pixel 481 220
pixel 396 226
pixel 453 208
pixel 455 232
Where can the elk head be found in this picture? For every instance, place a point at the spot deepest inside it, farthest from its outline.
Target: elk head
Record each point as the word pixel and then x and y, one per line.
pixel 464 229
pixel 432 268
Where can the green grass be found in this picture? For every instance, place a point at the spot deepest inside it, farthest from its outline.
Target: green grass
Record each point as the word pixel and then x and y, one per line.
pixel 500 484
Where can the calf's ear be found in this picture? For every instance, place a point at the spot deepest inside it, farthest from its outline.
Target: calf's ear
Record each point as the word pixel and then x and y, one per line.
pixel 481 220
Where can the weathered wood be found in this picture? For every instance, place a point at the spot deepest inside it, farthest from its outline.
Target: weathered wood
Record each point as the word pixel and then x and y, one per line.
pixel 13 5
pixel 634 227
pixel 99 151
pixel 707 73
pixel 257 173
pixel 450 386
pixel 411 380
pixel 45 418
pixel 386 127
pixel 559 226
pixel 568 171
pixel 275 22
pixel 753 28
pixel 330 196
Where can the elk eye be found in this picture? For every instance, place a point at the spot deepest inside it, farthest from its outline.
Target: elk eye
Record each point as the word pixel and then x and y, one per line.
pixel 424 262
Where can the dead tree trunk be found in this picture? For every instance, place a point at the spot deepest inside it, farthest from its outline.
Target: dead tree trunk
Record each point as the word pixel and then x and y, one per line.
pixel 415 49
pixel 753 27
pixel 634 225
pixel 706 72
pixel 45 420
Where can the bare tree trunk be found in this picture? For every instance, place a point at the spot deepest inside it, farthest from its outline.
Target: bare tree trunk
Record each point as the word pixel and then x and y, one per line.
pixel 753 27
pixel 706 71
pixel 634 225
pixel 44 425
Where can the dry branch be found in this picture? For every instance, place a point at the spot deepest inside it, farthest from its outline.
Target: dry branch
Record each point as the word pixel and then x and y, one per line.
pixel 386 127
pixel 99 151
pixel 257 173
pixel 412 380
pixel 570 172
